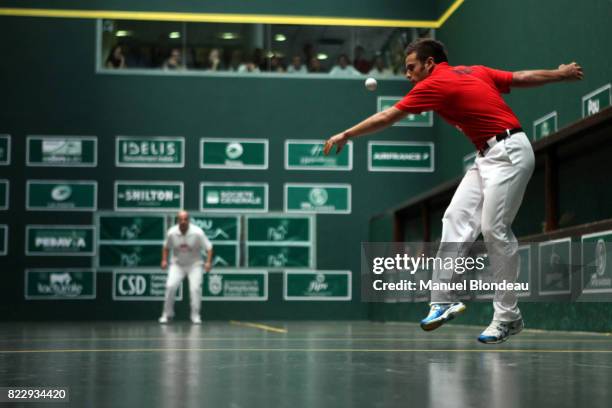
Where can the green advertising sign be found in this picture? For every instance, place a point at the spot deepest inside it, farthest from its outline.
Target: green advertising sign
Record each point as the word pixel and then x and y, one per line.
pixel 424 119
pixel 225 255
pixel 131 227
pixel 308 155
pixel 142 285
pixel 241 154
pixel 61 195
pixel 596 101
pixel 235 285
pixel 279 256
pixel 62 151
pixel 401 156
pixel 5 150
pixel 279 229
pixel 468 161
pixel 3 240
pixel 317 285
pixel 555 261
pixel 129 255
pixel 56 240
pixel 148 195
pixel 597 268
pixel 60 284
pixel 149 151
pixel 544 126
pixel 4 194
pixel 238 197
pixel 524 276
pixel 317 198
pixel 218 228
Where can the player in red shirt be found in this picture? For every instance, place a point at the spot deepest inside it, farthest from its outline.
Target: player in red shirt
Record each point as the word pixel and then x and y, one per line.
pixel 491 191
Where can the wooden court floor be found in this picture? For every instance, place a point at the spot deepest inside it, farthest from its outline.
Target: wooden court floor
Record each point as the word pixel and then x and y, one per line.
pixel 304 364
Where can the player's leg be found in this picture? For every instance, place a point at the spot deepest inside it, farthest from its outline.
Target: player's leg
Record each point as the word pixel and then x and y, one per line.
pixel 505 172
pixel 175 277
pixel 195 292
pixel 460 228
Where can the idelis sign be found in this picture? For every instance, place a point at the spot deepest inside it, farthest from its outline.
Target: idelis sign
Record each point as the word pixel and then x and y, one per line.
pixel 55 240
pixel 308 155
pixel 149 151
pixel 148 195
pixel 129 255
pixel 317 198
pixel 279 229
pixel 391 156
pixel 5 150
pixel 597 262
pixel 236 285
pixel 142 285
pixel 423 119
pixel 218 228
pixel 3 240
pixel 317 285
pixel 61 195
pixel 240 197
pixel 60 284
pixel 62 151
pixel 4 194
pixel 125 228
pixel 279 256
pixel 242 154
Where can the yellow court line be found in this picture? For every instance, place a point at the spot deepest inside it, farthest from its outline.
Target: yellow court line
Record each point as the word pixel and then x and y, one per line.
pixel 305 350
pixel 259 326
pixel 228 18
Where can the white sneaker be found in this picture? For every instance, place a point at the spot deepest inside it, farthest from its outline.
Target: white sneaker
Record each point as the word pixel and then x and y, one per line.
pixel 195 319
pixel 164 319
pixel 499 331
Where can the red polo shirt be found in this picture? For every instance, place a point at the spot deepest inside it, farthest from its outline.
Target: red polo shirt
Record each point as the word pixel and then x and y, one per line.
pixel 466 97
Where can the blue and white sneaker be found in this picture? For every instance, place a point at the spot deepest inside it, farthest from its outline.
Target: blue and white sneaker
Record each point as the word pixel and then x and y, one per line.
pixel 499 331
pixel 441 313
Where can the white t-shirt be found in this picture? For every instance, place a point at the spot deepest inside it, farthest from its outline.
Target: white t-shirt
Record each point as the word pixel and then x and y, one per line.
pixel 187 248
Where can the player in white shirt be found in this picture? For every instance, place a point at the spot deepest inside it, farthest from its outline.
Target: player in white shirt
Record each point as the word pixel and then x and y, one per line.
pixel 186 241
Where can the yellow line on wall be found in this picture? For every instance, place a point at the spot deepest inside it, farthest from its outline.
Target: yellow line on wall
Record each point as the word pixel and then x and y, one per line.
pixel 227 18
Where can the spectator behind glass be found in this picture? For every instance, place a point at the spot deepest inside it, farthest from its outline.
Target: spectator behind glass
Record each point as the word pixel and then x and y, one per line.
pixel 214 60
pixel 296 66
pixel 379 69
pixel 343 68
pixel 276 64
pixel 361 64
pixel 236 60
pixel 314 67
pixel 174 61
pixel 116 59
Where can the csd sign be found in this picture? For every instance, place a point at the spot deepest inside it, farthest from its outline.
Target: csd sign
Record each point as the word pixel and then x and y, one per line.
pixel 131 285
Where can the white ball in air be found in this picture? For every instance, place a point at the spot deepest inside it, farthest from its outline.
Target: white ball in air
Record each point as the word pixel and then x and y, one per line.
pixel 371 84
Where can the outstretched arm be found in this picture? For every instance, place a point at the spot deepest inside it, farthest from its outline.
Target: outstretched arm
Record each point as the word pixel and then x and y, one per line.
pixel 374 123
pixel 569 72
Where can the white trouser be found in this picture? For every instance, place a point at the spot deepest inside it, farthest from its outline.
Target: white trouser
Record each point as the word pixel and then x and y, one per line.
pixel 176 274
pixel 487 201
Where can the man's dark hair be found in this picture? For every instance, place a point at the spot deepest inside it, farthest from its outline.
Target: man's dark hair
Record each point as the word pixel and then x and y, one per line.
pixel 425 48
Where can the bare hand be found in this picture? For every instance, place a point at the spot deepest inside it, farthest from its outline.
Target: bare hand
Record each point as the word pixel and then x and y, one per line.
pixel 571 72
pixel 164 264
pixel 207 267
pixel 339 140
